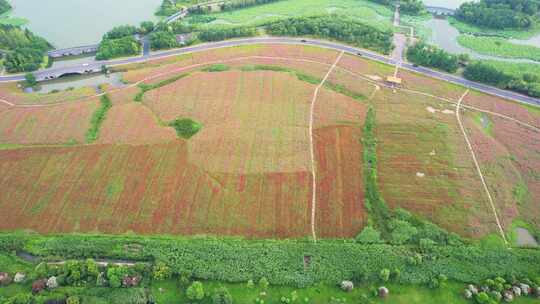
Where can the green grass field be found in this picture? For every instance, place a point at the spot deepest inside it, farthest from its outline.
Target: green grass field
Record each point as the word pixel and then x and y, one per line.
pixel 499 47
pixel 171 292
pixel 517 34
pixel 365 11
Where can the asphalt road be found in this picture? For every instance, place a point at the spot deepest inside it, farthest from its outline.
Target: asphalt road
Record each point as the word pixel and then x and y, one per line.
pixel 285 40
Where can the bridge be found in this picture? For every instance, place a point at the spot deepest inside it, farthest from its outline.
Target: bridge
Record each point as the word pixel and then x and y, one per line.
pixel 74 51
pixel 50 74
pixel 440 11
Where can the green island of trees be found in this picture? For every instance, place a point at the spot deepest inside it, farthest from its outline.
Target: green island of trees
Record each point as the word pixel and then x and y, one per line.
pixel 119 42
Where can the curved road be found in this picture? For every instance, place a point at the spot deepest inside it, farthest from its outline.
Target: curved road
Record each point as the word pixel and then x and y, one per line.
pixel 286 40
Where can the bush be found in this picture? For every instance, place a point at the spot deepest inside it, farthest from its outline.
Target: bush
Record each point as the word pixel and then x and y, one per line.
pixel 384 275
pixel 73 300
pixel 185 127
pixel 195 292
pixel 222 296
pixel 263 283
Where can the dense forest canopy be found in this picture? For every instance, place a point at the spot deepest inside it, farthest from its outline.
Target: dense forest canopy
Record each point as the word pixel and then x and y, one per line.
pixel 500 14
pixel 24 50
pixel 335 27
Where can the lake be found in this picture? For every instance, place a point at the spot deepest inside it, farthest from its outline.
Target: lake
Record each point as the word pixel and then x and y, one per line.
pixel 68 23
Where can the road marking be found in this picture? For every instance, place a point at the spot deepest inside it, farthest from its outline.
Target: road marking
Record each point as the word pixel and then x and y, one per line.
pixel 312 147
pixel 469 145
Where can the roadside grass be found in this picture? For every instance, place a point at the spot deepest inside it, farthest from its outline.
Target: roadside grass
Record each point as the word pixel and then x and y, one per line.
pixel 465 28
pixel 500 47
pixel 362 10
pixel 144 87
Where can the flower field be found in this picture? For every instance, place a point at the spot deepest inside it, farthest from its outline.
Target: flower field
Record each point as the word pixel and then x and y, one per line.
pixel 247 171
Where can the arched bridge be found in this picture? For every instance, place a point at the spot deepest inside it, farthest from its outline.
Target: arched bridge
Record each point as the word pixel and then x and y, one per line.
pixel 440 11
pixel 59 72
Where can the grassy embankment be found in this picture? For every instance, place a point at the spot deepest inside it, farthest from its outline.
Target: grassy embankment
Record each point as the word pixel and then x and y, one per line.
pixel 500 47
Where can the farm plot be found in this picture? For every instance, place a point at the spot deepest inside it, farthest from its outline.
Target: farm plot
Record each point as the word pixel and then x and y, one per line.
pixel 245 173
pixel 527 114
pixel 510 160
pixel 58 124
pixel 424 166
pixel 134 124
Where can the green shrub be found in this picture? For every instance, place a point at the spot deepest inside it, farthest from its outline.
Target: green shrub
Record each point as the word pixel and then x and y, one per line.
pixel 98 118
pixel 263 283
pixel 217 68
pixel 185 127
pixel 384 275
pixel 195 292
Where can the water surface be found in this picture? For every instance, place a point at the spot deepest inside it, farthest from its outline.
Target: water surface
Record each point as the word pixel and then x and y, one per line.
pixel 68 23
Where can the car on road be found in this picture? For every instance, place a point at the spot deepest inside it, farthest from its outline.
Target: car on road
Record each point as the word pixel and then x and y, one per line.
pixel 303 40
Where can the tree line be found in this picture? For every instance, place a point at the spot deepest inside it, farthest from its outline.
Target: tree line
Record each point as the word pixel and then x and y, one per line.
pixel 409 7
pixel 340 28
pixel 528 84
pixel 432 56
pixel 500 14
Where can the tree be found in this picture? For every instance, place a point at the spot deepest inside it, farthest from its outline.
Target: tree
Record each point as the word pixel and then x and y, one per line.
pixel 369 235
pixel 263 283
pixel 162 40
pixel 73 300
pixel 161 272
pixel 195 292
pixel 222 296
pixel 30 79
pixel 146 27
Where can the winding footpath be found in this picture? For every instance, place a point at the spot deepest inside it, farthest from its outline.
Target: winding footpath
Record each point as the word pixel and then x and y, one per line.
pixel 292 41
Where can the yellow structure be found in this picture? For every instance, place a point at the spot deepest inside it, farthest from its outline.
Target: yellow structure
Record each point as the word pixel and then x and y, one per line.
pixel 393 80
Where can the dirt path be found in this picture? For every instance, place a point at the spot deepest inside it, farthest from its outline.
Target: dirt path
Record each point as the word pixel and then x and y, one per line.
pixel 469 145
pixel 312 148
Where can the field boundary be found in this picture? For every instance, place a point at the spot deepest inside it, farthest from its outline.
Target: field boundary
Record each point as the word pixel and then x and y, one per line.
pixel 312 148
pixel 469 145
